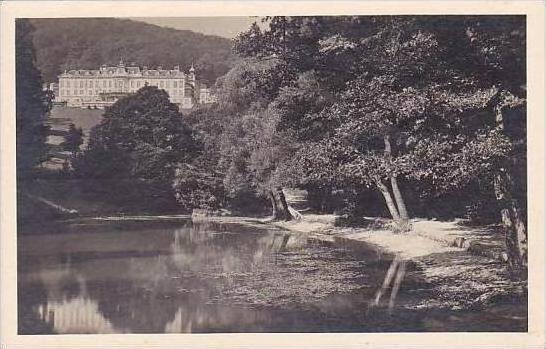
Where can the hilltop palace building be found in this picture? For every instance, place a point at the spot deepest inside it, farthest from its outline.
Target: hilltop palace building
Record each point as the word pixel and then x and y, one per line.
pixel 103 87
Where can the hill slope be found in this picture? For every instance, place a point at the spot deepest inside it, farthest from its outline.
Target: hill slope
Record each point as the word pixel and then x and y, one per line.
pixel 85 43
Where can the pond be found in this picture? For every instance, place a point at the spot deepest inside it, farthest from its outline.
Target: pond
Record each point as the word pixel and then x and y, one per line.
pixel 161 276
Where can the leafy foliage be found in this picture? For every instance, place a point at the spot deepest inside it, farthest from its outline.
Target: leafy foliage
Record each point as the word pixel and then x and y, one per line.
pixel 32 104
pixel 73 139
pixel 197 187
pixel 140 136
pixel 404 96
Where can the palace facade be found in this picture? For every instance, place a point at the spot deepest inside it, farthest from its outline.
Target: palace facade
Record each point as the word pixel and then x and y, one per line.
pixel 103 87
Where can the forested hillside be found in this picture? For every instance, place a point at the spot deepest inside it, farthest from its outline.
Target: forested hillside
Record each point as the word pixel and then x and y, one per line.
pixel 70 43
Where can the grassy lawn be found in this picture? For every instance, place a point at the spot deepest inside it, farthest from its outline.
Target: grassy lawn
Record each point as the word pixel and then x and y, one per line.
pixel 59 120
pixel 61 117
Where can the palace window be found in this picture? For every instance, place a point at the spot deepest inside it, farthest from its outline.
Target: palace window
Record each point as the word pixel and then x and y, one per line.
pixel 138 84
pixel 81 92
pixel 75 92
pixel 161 84
pixel 109 83
pixel 175 85
pixel 104 83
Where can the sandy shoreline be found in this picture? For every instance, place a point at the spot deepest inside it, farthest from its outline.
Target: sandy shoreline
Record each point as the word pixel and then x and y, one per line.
pixel 460 277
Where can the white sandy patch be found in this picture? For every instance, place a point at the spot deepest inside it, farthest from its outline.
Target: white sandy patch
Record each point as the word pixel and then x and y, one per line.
pixel 427 237
pixel 407 245
pixel 311 223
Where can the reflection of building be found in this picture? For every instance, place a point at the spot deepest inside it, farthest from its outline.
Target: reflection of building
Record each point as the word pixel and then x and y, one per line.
pixel 103 87
pixel 79 315
pixel 131 281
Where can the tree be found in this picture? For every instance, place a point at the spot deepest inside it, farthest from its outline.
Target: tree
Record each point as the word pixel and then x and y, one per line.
pixel 500 49
pixel 510 179
pixel 252 149
pixel 32 103
pixel 73 139
pixel 436 100
pixel 417 97
pixel 247 143
pixel 141 136
pixel 196 186
pixel 383 136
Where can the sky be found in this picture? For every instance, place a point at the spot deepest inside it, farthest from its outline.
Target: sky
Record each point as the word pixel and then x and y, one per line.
pixel 227 27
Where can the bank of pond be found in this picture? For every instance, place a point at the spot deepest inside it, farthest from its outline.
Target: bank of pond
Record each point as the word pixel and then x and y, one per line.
pixel 172 275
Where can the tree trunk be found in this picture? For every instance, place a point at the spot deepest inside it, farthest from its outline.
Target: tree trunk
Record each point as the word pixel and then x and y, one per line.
pixel 395 214
pixel 513 224
pixel 284 204
pixel 515 230
pixel 388 150
pixel 398 211
pixel 388 200
pixel 403 224
pixel 274 207
pixel 402 210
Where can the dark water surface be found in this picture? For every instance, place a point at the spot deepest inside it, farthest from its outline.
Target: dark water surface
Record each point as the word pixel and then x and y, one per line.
pixel 93 276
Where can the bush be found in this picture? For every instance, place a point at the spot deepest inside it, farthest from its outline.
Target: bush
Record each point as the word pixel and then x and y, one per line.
pixel 196 187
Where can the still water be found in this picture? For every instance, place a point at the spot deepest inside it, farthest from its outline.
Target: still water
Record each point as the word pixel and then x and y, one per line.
pixel 157 276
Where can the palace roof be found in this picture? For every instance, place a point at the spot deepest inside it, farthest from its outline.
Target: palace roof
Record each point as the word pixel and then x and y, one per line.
pixel 125 71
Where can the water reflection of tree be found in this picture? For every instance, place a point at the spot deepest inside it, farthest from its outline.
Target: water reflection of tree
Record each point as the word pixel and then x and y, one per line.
pixel 393 279
pixel 224 248
pixel 210 267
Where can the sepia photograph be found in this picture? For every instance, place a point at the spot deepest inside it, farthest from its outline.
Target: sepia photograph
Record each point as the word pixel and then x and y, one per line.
pixel 221 174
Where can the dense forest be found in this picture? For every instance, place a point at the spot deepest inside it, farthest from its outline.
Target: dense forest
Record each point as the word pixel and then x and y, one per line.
pixel 71 43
